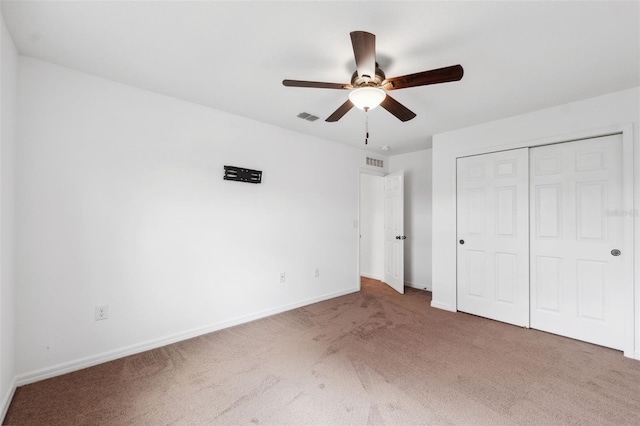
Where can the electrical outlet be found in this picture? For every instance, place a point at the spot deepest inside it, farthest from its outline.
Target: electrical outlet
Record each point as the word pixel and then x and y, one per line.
pixel 102 312
pixel 316 272
pixel 282 277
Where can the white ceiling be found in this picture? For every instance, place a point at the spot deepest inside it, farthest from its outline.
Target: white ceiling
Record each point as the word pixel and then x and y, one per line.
pixel 518 56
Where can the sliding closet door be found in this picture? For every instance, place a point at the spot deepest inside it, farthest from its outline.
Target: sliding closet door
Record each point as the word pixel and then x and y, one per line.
pixel 493 232
pixel 577 276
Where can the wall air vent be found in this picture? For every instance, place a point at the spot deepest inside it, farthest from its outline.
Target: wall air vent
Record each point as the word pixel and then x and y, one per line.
pixel 307 116
pixel 375 162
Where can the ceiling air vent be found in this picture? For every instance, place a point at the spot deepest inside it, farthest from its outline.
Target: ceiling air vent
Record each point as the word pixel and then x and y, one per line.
pixel 374 162
pixel 307 116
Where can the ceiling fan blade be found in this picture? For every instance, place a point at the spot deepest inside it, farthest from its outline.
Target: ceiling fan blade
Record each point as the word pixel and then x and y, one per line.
pixel 401 112
pixel 315 84
pixel 342 110
pixel 440 75
pixel 364 50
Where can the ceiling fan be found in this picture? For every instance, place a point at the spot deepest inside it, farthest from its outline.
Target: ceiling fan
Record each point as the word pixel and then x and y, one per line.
pixel 369 85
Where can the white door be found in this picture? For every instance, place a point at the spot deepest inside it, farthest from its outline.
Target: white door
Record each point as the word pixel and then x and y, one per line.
pixel 577 284
pixel 394 230
pixel 493 231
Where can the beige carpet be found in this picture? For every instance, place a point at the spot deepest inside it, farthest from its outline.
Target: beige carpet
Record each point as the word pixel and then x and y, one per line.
pixel 374 357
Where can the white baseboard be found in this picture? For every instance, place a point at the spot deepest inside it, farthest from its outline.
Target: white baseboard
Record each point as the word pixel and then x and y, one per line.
pixel 426 287
pixel 372 276
pixel 6 401
pixel 443 306
pixel 418 286
pixel 90 361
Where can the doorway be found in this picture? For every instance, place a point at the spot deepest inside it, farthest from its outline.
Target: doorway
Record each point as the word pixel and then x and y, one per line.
pixel 382 228
pixel 372 226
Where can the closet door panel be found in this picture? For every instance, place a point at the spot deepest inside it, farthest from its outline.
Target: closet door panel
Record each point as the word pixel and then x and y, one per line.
pixel 576 282
pixel 493 259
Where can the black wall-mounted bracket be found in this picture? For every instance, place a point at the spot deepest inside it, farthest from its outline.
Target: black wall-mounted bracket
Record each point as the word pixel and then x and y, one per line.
pixel 242 175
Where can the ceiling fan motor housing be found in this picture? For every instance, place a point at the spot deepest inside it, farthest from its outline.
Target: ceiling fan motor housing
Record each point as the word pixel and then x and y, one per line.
pixel 366 81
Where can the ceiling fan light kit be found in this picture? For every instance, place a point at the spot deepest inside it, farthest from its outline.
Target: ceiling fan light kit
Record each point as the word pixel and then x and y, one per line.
pixel 367 98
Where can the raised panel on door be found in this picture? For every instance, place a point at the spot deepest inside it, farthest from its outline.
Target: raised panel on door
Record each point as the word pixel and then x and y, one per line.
pixel 576 284
pixel 548 270
pixel 492 220
pixel 475 273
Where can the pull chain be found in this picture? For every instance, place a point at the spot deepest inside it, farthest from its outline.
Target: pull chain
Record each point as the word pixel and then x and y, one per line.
pixel 366 125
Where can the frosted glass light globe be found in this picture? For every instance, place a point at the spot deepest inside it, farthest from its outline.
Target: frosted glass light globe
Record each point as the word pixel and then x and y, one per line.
pixel 367 98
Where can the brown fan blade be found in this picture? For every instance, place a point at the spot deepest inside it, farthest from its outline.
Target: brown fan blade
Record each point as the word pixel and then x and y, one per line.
pixel 337 115
pixel 315 84
pixel 364 50
pixel 440 75
pixel 401 112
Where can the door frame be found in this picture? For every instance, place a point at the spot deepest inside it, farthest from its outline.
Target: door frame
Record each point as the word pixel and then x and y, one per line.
pixel 381 173
pixel 631 201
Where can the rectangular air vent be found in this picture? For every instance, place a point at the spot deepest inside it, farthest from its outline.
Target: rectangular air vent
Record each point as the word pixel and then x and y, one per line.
pixel 374 162
pixel 307 116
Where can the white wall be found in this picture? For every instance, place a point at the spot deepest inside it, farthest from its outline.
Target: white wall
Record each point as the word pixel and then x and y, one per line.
pixel 417 216
pixel 121 202
pixel 372 226
pixel 8 82
pixel 587 117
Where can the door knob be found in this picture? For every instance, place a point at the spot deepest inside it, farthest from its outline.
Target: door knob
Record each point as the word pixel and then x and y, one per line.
pixel 397 237
pixel 461 241
pixel 404 237
pixel 616 252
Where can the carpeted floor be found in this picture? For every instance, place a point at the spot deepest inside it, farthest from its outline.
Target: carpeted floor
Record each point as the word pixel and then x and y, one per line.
pixel 373 357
